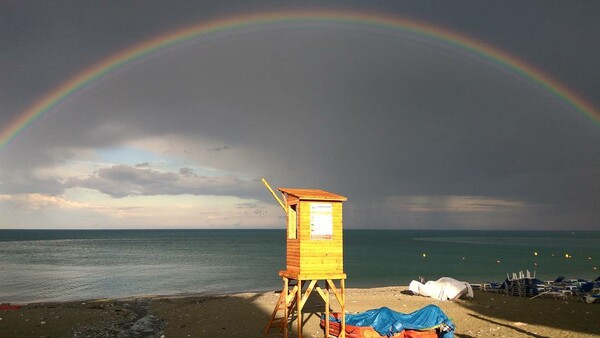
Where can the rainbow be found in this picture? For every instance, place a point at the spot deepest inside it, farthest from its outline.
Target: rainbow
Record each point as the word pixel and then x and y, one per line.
pixel 118 60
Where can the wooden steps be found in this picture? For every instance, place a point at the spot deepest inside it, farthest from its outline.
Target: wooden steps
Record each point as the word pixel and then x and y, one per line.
pixel 285 305
pixel 293 297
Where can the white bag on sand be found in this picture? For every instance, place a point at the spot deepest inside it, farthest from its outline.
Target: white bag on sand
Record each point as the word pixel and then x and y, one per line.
pixel 442 289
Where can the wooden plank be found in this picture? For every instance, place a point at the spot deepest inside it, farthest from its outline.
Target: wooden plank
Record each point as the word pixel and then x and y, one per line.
pixel 291 295
pixel 343 305
pixel 290 273
pixel 319 252
pixel 320 261
pixel 291 199
pixel 325 263
pixel 275 196
pixel 308 255
pixel 320 272
pixel 315 256
pixel 320 291
pixel 280 305
pixel 307 293
pixel 285 310
pixel 335 240
pixel 299 309
pixel 320 267
pixel 322 276
pixel 312 194
pixel 325 296
pixel 336 292
pixel 313 252
pixel 311 259
pixel 325 247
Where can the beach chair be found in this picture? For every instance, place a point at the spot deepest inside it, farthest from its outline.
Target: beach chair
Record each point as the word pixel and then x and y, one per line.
pixel 551 294
pixel 584 291
pixel 589 299
pixel 491 287
pixel 559 280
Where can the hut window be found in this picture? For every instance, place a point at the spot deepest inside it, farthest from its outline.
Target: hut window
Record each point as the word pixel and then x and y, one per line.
pixel 292 222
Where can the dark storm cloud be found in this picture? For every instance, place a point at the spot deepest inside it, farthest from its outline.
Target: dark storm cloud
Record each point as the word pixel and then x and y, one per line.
pixel 379 117
pixel 120 181
pixel 219 148
pixel 26 184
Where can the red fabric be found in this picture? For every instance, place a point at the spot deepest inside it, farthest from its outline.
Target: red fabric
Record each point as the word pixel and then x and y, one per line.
pixel 420 334
pixel 368 332
pixel 9 307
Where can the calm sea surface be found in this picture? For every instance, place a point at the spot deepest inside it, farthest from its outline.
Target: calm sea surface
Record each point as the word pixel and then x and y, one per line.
pixel 40 265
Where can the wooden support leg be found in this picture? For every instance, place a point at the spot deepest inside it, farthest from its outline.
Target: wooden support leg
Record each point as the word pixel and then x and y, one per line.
pixel 307 292
pixel 341 298
pixel 299 308
pixel 326 313
pixel 296 298
pixel 325 296
pixel 285 310
pixel 343 305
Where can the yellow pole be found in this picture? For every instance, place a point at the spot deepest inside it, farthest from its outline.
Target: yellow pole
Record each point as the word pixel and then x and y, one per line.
pixel 273 193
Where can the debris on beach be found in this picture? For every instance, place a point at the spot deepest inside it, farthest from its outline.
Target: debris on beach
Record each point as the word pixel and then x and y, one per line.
pixel 429 321
pixel 8 306
pixel 445 288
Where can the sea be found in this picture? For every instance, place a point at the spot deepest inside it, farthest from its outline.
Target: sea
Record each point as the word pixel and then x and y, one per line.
pixel 67 265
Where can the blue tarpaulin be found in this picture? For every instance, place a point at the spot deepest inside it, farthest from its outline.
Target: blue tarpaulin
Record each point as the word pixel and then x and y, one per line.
pixel 388 322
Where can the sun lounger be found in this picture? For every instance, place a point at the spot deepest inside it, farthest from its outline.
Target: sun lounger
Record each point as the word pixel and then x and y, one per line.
pixel 557 281
pixel 585 292
pixel 551 294
pixel 592 298
pixel 492 287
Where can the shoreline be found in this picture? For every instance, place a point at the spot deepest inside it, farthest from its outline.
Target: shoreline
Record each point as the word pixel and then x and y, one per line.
pixel 246 314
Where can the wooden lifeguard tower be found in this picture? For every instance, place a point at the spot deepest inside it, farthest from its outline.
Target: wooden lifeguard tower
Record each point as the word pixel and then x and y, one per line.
pixel 314 253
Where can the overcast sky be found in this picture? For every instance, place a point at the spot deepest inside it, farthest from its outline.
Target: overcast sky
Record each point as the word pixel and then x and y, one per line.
pixel 416 132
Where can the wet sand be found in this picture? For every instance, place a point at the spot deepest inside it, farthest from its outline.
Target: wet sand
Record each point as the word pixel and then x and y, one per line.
pixel 246 314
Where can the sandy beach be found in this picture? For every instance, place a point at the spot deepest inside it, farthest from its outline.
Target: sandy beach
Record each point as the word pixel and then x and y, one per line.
pixel 246 314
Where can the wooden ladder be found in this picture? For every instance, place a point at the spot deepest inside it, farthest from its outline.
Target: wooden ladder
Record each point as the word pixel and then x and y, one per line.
pixel 285 304
pixel 293 298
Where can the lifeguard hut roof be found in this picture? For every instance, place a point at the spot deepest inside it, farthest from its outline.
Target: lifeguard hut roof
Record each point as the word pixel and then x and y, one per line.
pixel 312 194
